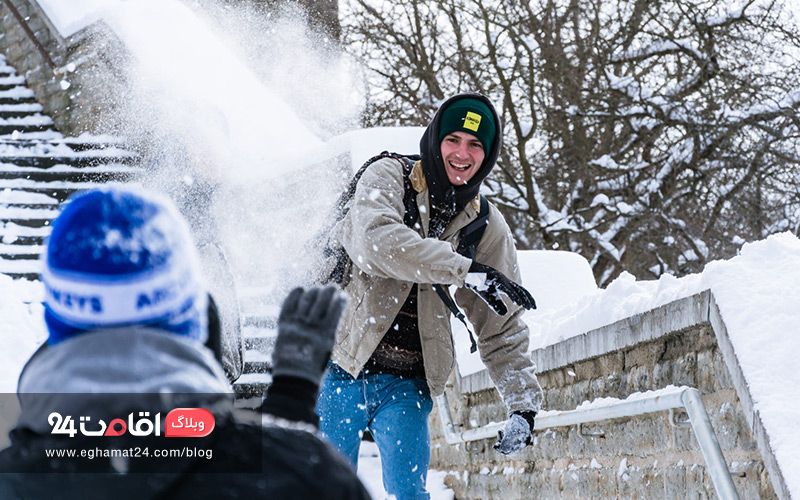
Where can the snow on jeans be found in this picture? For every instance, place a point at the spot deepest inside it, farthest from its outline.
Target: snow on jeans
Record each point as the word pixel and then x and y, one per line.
pixel 395 410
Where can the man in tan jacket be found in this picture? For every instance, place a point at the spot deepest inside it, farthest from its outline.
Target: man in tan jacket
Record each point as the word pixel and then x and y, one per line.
pixel 394 348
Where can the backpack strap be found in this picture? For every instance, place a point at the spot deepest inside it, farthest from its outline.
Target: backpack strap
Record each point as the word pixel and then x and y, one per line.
pixel 411 215
pixel 470 237
pixel 337 252
pixel 473 346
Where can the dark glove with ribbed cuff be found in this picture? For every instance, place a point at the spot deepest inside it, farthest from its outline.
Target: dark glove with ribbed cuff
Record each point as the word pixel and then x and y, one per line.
pixel 517 433
pixel 488 283
pixel 307 327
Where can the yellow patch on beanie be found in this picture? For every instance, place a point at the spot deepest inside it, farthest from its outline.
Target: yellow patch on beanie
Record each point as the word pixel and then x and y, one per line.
pixel 472 121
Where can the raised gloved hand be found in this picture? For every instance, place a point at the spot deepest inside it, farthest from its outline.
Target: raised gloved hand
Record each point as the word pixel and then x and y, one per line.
pixel 488 283
pixel 306 331
pixel 516 434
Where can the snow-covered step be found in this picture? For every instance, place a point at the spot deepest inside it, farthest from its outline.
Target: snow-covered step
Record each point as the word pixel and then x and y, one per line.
pixel 260 341
pixel 23 170
pixel 59 190
pixel 37 155
pixel 65 172
pixel 264 321
pixel 23 129
pixel 22 268
pixel 256 361
pixel 10 82
pixel 35 119
pixel 94 142
pixel 44 187
pixel 23 198
pixel 17 95
pixel 11 249
pixel 31 217
pixel 252 385
pixel 12 231
pixel 10 213
pixel 35 135
pixel 19 109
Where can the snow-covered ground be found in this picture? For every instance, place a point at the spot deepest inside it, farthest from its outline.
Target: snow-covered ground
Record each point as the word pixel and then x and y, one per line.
pixel 369 471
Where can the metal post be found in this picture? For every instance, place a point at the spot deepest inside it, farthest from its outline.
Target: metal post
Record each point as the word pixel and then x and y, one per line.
pixel 707 439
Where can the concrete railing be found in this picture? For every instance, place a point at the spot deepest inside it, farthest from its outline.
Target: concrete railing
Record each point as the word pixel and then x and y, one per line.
pixel 681 344
pixel 639 404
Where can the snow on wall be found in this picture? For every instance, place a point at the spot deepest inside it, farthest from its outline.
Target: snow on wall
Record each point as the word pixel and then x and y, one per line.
pixel 70 17
pixel 759 299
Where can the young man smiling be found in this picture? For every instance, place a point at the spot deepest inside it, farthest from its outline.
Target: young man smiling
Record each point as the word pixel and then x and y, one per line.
pixel 463 155
pixel 394 348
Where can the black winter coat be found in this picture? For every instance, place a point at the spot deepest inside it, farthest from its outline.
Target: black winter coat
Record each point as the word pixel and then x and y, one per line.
pixel 113 374
pixel 294 464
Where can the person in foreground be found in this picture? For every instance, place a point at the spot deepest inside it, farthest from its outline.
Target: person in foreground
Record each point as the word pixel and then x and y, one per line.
pixel 125 381
pixel 394 348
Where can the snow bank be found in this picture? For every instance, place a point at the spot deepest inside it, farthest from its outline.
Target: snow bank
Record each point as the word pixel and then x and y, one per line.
pixel 758 296
pixel 363 144
pixel 70 17
pixel 23 328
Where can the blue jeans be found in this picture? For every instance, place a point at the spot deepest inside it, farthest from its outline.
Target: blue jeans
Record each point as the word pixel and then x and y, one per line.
pixel 395 410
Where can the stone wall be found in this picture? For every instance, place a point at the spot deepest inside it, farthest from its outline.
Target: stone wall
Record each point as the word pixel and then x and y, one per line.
pixel 81 84
pixel 638 457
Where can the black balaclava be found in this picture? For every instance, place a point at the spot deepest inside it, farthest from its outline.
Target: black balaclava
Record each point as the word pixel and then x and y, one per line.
pixel 446 199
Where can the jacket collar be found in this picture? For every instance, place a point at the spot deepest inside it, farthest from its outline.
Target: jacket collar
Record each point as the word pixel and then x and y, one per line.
pixel 136 368
pixel 420 184
pixel 462 218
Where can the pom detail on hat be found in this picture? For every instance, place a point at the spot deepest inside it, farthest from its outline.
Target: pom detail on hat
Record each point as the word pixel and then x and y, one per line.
pixel 118 256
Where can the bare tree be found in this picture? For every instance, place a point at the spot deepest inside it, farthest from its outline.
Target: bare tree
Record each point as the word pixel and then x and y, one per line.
pixel 649 136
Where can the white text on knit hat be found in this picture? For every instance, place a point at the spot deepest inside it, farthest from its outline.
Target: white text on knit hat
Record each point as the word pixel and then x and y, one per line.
pixel 120 300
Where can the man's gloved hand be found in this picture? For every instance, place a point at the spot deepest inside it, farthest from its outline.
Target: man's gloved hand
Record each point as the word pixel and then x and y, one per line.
pixel 306 331
pixel 488 283
pixel 517 433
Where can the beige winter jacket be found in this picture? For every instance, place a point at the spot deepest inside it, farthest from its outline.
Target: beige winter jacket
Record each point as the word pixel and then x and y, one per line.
pixel 389 257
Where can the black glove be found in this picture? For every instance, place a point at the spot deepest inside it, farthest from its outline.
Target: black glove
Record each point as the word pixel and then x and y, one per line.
pixel 517 433
pixel 306 331
pixel 488 282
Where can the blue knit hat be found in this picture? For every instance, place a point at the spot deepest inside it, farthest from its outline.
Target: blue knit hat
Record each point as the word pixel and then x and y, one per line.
pixel 118 256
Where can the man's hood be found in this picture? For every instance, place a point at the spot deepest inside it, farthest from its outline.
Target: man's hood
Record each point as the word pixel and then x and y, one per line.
pixel 442 192
pixel 140 369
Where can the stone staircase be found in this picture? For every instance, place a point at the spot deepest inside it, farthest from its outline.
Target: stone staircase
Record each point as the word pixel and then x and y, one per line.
pixel 40 168
pixel 259 331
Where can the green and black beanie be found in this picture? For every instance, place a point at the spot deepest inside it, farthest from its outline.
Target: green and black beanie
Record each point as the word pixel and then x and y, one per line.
pixel 471 116
pixel 445 197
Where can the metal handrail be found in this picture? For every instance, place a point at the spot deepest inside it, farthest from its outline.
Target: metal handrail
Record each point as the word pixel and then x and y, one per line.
pixel 39 47
pixel 638 404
